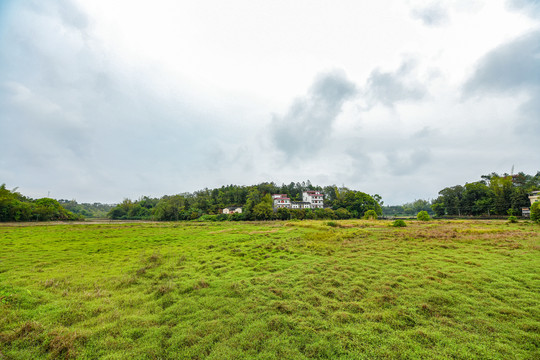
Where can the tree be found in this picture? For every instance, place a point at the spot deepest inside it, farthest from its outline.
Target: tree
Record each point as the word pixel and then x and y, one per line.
pixel 170 208
pixel 451 197
pixel 356 202
pixel 264 210
pixel 438 208
pixel 502 189
pixel 477 199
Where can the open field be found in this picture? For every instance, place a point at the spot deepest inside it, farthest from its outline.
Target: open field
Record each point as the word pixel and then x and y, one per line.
pixel 277 290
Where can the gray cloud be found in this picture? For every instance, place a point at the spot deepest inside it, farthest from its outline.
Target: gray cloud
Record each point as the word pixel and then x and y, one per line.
pixel 512 68
pixel 407 162
pixel 308 122
pixel 530 7
pixel 72 15
pixel 432 15
pixel 388 88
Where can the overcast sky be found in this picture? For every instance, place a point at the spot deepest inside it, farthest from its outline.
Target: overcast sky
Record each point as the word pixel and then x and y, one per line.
pixel 102 100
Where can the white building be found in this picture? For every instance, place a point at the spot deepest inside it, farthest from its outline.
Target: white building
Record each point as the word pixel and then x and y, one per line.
pixel 311 200
pixel 315 198
pixel 534 197
pixel 281 201
pixel 232 210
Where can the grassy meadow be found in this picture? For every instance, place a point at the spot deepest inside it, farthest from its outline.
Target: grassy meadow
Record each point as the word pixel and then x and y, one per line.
pixel 270 290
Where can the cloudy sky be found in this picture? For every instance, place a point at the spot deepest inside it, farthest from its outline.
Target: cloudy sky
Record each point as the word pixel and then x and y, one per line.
pixel 102 100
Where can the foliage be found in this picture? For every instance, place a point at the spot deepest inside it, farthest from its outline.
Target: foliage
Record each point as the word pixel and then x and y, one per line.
pixel 512 219
pixel 423 216
pixel 342 214
pixel 16 207
pixel 263 210
pixel 408 209
pixel 287 290
pixel 535 211
pixel 95 210
pixel 399 223
pixel 370 215
pixel 494 194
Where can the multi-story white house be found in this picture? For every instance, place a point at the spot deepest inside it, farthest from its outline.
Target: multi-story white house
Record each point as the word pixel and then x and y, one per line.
pixel 311 200
pixel 313 197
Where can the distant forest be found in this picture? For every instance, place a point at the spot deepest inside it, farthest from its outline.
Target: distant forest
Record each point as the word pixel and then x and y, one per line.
pixel 494 194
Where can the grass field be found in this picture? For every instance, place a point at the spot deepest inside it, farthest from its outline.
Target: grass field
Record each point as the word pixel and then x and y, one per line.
pixel 276 290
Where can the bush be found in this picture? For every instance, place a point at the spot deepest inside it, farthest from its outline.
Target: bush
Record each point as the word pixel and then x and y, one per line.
pixel 535 212
pixel 423 216
pixel 399 223
pixel 370 215
pixel 238 217
pixel 332 224
pixel 206 217
pixel 512 219
pixel 342 213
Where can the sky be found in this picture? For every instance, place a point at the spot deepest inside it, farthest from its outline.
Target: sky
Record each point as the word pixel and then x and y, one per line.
pixel 105 100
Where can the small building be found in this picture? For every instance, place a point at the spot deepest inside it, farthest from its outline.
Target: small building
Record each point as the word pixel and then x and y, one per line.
pixel 534 196
pixel 526 212
pixel 281 201
pixel 300 205
pixel 232 210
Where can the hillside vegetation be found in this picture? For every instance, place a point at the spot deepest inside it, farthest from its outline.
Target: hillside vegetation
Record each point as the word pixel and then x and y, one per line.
pixel 355 289
pixel 17 207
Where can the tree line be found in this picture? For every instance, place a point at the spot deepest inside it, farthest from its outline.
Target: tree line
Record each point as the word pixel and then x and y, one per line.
pixel 494 194
pixel 409 209
pixel 17 207
pixel 255 200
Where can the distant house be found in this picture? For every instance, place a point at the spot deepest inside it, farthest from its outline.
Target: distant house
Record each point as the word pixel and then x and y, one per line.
pixel 300 205
pixel 281 201
pixel 525 212
pixel 534 196
pixel 232 210
pixel 313 197
pixel 311 200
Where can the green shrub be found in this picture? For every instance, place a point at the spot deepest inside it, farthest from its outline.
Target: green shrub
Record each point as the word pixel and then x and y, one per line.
pixel 342 213
pixel 535 212
pixel 423 216
pixel 332 224
pixel 399 223
pixel 512 219
pixel 207 217
pixel 370 215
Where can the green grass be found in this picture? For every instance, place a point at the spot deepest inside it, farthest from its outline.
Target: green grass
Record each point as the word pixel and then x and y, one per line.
pixel 278 290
